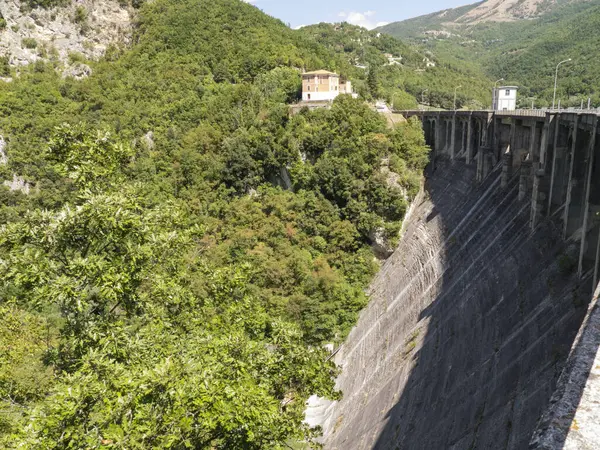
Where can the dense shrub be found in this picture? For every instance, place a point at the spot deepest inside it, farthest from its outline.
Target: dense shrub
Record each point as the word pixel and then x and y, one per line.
pixel 188 246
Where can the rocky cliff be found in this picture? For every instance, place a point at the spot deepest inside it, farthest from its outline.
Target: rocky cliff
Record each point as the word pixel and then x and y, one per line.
pixel 62 33
pixel 505 10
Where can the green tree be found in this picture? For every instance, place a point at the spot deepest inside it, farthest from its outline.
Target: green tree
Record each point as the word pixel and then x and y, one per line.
pixel 373 82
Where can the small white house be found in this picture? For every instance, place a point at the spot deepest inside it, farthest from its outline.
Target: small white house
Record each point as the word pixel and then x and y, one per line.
pixel 504 98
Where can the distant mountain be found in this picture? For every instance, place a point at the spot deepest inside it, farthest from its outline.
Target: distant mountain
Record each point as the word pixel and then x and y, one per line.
pixel 487 11
pixel 520 41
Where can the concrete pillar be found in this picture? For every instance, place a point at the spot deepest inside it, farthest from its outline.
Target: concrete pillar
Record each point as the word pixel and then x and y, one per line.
pixel 524 177
pixel 586 200
pixel 469 154
pixel 487 162
pixel 544 140
pixel 453 138
pixel 491 130
pixel 438 135
pixel 487 132
pixel 463 132
pixel 507 163
pixel 512 140
pixel 483 134
pixel 553 163
pixel 570 183
pixel 538 197
pixel 541 182
pixel 597 265
pixel 534 149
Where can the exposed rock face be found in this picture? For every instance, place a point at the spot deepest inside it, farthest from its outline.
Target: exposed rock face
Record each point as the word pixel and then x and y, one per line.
pixel 380 244
pixel 3 157
pixel 148 140
pixel 469 326
pixel 506 10
pixel 18 184
pixel 77 71
pixel 87 27
pixel 497 11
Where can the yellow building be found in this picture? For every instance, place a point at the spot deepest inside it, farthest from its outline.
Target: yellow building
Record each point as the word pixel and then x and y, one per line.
pixel 322 85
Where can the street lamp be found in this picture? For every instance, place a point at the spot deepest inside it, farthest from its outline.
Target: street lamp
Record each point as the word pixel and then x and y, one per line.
pixel 422 96
pixel 556 80
pixel 494 105
pixel 455 89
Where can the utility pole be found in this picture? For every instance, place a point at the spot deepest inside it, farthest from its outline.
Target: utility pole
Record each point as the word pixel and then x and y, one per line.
pixel 494 96
pixel 556 82
pixel 589 103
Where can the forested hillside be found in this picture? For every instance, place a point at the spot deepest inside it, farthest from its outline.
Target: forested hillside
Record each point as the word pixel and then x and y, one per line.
pixel 523 52
pixel 177 248
pixel 403 71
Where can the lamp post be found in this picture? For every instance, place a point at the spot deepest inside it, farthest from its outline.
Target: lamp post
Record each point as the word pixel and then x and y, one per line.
pixel 556 80
pixel 422 96
pixel 494 104
pixel 455 89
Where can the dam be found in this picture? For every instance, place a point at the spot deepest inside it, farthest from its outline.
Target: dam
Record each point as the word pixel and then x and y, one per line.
pixel 483 329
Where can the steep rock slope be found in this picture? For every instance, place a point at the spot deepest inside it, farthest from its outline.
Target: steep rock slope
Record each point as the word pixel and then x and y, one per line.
pixel 86 27
pixel 476 13
pixel 469 326
pixel 506 10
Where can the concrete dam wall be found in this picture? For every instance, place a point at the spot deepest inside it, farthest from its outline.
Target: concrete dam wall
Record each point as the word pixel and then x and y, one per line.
pixel 472 321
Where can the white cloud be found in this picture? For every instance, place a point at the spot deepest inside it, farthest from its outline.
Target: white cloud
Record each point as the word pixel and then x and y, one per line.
pixel 364 19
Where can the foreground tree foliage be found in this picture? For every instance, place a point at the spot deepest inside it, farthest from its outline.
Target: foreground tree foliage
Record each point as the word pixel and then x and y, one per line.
pixel 187 246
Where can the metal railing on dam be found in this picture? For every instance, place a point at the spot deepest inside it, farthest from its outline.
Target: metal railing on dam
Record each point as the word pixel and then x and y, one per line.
pixel 504 113
pixel 470 340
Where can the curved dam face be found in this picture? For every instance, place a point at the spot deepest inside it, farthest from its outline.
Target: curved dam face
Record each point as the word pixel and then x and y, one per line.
pixel 469 326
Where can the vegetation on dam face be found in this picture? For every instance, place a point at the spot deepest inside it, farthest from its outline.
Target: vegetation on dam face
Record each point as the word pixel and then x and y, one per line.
pixel 179 248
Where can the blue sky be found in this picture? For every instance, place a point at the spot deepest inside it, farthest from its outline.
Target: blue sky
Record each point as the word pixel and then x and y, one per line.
pixel 367 13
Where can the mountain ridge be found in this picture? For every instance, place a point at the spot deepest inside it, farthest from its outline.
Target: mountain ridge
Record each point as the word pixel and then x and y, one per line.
pixel 482 12
pixel 523 52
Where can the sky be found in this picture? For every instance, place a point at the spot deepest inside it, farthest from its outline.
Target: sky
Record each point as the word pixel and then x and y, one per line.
pixel 366 13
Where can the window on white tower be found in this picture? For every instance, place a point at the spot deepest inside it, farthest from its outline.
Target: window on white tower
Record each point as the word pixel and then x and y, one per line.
pixel 507 93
